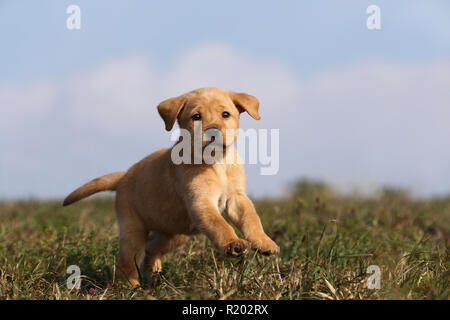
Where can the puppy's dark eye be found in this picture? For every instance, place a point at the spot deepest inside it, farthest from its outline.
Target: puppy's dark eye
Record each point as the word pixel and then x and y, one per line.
pixel 225 114
pixel 196 117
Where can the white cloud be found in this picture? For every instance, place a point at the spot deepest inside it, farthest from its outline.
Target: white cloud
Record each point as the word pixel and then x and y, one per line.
pixel 23 105
pixel 378 122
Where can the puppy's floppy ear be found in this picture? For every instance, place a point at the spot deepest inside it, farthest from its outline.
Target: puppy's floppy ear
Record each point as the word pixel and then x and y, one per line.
pixel 246 102
pixel 170 109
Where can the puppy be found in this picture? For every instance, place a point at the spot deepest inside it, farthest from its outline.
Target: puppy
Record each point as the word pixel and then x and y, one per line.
pixel 159 204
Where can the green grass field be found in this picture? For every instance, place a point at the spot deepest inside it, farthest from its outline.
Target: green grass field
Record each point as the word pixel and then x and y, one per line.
pixel 327 242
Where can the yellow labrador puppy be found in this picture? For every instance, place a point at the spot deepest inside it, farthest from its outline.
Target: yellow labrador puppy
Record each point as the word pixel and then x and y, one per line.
pixel 159 204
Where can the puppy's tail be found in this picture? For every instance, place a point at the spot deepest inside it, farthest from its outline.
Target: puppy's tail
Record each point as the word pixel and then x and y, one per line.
pixel 104 183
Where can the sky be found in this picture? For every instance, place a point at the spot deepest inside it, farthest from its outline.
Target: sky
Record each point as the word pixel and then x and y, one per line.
pixel 355 107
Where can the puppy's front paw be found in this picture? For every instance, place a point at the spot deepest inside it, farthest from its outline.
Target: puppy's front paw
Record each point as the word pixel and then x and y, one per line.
pixel 236 247
pixel 266 246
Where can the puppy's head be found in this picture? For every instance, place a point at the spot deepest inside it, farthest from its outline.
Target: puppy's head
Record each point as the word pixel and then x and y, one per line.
pixel 211 109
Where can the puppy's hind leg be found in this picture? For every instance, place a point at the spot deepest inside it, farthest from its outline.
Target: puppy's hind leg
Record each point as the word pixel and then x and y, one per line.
pixel 133 237
pixel 158 245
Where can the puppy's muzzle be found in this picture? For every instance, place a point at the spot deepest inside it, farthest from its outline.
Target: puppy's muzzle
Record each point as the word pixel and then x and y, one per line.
pixel 212 134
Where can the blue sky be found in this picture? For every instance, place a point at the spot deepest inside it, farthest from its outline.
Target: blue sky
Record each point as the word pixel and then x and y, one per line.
pixel 309 59
pixel 308 36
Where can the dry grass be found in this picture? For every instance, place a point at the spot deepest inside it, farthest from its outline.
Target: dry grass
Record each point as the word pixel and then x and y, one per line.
pixel 327 242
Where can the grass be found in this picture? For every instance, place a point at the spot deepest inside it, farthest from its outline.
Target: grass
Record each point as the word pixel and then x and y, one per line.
pixel 327 241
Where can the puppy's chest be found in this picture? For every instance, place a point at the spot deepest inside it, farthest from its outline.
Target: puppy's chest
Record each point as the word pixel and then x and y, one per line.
pixel 227 188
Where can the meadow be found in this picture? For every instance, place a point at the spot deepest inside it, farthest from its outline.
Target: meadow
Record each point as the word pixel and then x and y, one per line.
pixel 327 242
